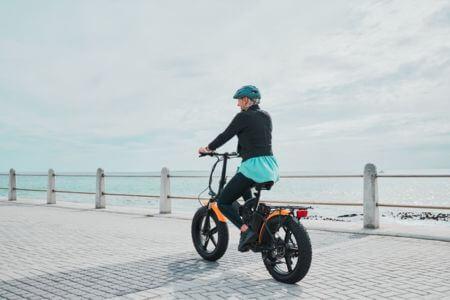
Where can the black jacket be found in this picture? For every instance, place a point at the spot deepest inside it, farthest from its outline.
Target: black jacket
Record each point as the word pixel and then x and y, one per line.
pixel 254 130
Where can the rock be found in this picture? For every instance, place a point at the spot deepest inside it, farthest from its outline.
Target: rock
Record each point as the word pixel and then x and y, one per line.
pixel 349 216
pixel 422 216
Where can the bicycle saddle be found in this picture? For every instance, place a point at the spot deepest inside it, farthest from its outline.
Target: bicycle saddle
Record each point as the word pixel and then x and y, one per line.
pixel 264 185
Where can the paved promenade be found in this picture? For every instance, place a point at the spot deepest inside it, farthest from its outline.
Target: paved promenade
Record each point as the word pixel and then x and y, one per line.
pixel 61 253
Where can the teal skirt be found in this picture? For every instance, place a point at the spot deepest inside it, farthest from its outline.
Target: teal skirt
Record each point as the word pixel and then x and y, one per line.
pixel 260 169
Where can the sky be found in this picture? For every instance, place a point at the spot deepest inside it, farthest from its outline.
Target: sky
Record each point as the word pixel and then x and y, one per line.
pixel 134 86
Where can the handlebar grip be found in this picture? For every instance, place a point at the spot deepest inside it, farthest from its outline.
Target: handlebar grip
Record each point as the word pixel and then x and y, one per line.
pixel 207 154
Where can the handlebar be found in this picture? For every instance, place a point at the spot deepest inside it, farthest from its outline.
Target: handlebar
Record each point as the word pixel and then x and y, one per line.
pixel 226 154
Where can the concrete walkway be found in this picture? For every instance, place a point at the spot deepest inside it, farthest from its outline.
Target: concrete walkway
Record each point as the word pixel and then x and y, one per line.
pixel 60 252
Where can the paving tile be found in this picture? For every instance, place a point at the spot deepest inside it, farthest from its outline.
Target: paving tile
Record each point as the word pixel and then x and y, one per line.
pixel 89 254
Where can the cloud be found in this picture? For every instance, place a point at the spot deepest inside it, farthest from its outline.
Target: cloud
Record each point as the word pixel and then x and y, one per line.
pixel 156 80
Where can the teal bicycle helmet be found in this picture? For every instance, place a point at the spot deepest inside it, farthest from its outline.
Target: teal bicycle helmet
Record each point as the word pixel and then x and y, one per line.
pixel 249 91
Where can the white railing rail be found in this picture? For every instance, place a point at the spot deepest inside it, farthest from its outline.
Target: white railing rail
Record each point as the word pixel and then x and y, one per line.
pixel 370 199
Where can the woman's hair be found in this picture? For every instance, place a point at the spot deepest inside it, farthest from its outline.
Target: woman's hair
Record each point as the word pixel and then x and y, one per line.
pixel 251 102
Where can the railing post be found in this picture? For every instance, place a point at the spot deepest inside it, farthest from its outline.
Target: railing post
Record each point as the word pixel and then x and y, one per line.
pixel 371 210
pixel 100 189
pixel 12 196
pixel 165 203
pixel 51 195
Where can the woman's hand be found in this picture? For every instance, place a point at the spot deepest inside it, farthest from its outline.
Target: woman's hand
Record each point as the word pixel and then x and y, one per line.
pixel 203 150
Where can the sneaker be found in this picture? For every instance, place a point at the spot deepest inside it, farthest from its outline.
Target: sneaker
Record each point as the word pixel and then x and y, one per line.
pixel 247 238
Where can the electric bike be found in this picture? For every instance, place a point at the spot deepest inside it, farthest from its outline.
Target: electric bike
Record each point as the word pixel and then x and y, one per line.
pixel 282 240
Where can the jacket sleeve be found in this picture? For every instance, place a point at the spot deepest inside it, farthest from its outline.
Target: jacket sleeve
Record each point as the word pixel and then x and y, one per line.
pixel 236 126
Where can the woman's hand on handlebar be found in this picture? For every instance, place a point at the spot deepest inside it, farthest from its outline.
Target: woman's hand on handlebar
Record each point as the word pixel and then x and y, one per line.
pixel 204 150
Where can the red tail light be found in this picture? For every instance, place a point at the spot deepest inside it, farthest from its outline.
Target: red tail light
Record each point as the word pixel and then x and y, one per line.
pixel 302 213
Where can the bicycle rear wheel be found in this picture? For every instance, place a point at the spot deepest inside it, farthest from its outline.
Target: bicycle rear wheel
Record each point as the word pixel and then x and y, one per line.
pixel 291 258
pixel 209 235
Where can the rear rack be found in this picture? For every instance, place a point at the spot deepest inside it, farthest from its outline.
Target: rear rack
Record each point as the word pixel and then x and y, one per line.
pixel 290 207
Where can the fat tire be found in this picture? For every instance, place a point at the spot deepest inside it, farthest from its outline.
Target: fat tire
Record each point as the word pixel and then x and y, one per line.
pixel 222 235
pixel 304 255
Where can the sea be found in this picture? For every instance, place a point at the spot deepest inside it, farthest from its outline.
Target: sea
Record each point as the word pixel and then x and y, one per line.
pixel 401 191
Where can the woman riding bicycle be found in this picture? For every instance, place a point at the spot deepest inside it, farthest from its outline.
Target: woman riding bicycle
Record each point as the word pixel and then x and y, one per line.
pixel 253 127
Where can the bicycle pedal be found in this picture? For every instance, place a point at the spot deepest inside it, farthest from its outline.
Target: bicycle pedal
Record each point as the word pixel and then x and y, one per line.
pixel 246 249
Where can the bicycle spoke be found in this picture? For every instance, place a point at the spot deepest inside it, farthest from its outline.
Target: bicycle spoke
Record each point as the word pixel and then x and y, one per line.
pixel 213 241
pixel 287 237
pixel 206 225
pixel 213 231
pixel 206 243
pixel 288 262
pixel 292 250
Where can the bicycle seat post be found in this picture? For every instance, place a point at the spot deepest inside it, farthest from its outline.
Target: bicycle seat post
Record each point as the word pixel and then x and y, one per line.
pixel 257 196
pixel 262 186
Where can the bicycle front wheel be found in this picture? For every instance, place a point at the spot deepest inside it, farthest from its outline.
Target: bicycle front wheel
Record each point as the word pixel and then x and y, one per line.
pixel 209 235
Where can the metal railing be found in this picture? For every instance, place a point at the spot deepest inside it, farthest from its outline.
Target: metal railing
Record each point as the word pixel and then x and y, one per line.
pixel 370 200
pixel 325 203
pixel 415 176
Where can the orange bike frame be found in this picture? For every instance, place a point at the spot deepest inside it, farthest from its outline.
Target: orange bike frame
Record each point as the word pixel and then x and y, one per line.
pixel 218 213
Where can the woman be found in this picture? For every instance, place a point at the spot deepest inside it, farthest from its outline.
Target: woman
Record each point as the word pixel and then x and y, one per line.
pixel 253 127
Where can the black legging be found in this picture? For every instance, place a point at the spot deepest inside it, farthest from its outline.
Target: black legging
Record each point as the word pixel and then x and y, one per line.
pixel 238 186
